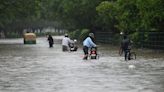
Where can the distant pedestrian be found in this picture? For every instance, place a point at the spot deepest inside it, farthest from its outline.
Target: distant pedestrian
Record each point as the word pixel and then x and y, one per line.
pixel 65 43
pixel 51 41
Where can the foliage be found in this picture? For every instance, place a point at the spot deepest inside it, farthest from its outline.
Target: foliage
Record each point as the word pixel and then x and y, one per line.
pixel 129 16
pixel 136 38
pixel 84 34
pixel 79 34
pixel 77 14
pixel 106 15
pixel 151 13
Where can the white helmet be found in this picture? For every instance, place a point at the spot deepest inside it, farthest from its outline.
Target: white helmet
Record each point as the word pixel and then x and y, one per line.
pixel 66 35
pixel 75 40
pixel 91 34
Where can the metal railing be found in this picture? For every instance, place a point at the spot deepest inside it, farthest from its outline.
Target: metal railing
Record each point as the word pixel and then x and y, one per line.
pixel 151 40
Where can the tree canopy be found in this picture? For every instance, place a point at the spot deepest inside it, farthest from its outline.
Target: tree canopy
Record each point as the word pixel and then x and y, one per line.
pixel 114 15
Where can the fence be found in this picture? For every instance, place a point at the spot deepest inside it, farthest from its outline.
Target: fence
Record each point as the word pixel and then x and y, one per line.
pixel 151 40
pixel 107 37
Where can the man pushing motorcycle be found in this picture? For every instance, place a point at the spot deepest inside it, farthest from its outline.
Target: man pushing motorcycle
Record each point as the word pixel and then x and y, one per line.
pixel 87 44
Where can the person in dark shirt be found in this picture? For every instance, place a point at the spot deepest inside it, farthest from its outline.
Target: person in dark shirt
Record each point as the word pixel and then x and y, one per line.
pixel 125 47
pixel 50 40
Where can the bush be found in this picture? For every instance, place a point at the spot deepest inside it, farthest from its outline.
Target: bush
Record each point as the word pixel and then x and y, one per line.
pixel 12 35
pixel 135 37
pixel 79 34
pixel 84 34
pixel 116 39
pixel 74 34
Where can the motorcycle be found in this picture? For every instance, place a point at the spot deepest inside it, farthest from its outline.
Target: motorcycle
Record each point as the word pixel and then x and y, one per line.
pixel 73 46
pixel 93 53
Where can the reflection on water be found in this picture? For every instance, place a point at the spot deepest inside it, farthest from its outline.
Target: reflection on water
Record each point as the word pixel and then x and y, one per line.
pixel 37 68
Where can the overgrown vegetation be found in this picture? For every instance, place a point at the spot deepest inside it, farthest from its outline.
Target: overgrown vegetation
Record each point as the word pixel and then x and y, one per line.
pixel 128 16
pixel 80 35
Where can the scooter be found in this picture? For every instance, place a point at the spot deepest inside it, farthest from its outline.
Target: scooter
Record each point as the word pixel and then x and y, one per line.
pixel 93 53
pixel 73 46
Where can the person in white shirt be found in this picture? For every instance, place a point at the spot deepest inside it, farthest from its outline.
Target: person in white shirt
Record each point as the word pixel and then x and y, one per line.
pixel 65 43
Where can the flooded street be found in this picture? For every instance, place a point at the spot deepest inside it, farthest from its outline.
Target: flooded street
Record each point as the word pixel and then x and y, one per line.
pixel 38 68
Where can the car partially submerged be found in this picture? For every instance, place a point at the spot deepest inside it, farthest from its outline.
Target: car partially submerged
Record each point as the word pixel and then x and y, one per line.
pixel 29 38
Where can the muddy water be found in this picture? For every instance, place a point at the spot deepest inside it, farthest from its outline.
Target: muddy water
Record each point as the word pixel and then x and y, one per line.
pixel 37 68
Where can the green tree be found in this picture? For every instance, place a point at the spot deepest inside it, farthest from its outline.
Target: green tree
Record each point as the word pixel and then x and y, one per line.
pixel 128 17
pixel 17 10
pixel 77 13
pixel 151 13
pixel 107 15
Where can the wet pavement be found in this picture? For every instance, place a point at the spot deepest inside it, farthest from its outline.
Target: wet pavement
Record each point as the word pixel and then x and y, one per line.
pixel 38 68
